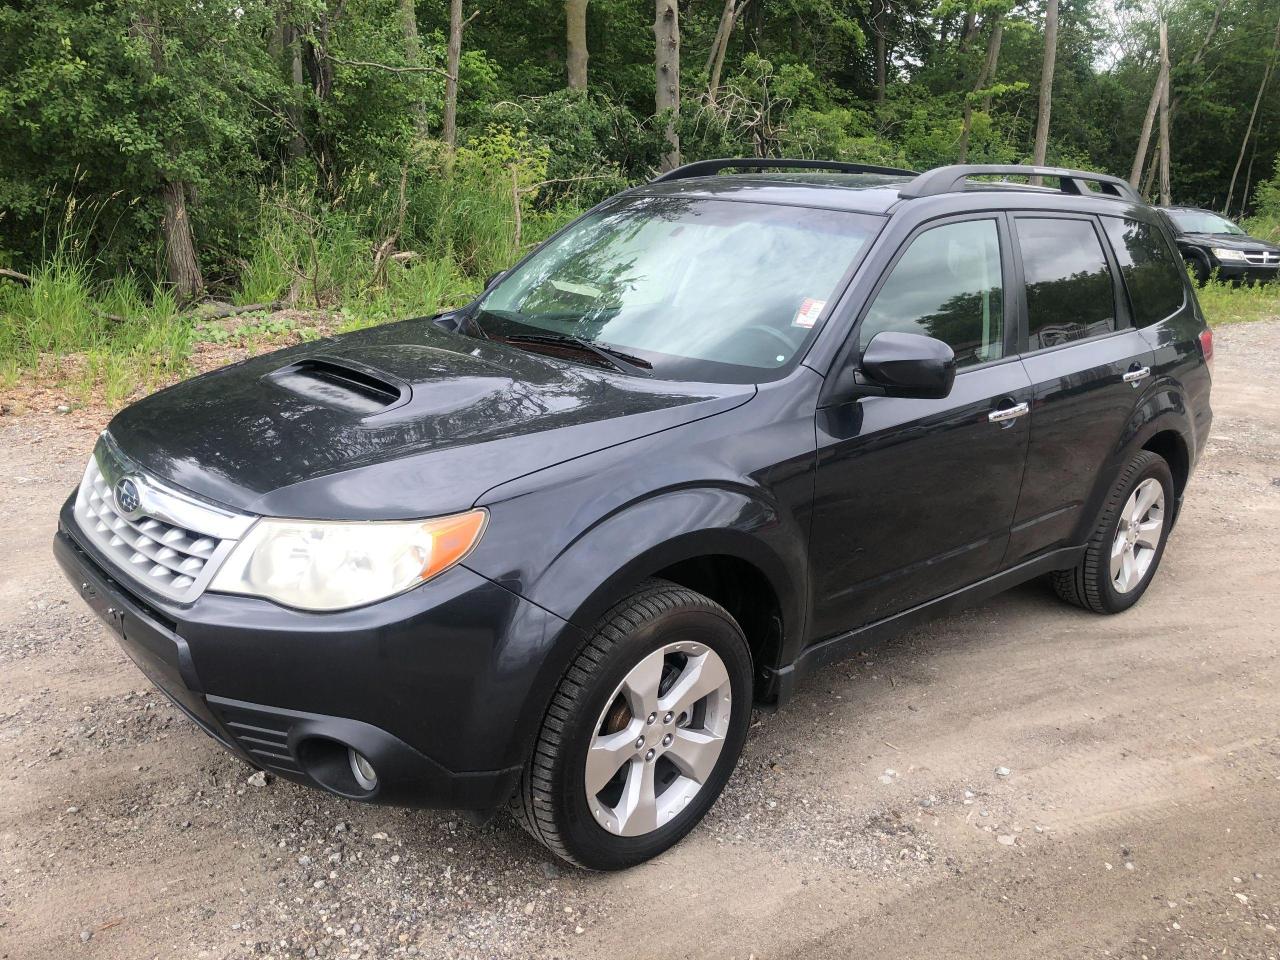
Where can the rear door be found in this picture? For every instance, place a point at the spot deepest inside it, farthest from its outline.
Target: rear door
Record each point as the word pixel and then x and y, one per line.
pixel 913 498
pixel 1088 366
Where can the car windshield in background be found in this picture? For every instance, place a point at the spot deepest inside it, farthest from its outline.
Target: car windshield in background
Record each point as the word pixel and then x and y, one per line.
pixel 1201 221
pixel 687 289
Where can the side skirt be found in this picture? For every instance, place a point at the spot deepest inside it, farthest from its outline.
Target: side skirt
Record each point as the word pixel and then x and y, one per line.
pixel 781 683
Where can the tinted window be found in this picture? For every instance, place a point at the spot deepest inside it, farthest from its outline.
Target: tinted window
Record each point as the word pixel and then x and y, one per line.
pixel 1069 290
pixel 947 285
pixel 1152 272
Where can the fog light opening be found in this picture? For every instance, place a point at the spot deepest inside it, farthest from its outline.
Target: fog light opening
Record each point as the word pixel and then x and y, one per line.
pixel 362 769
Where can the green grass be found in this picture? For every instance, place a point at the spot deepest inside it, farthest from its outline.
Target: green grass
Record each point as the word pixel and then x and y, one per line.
pixel 1224 304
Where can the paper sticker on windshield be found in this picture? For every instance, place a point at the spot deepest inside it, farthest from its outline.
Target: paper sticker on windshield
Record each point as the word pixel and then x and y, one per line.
pixel 808 313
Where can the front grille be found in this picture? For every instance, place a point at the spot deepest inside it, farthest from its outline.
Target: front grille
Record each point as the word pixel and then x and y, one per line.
pixel 169 543
pixel 1262 257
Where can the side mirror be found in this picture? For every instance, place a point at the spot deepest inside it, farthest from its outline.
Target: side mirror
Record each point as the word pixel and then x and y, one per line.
pixel 493 278
pixel 908 365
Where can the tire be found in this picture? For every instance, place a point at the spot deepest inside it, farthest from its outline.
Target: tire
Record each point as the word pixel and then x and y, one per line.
pixel 601 696
pixel 1093 583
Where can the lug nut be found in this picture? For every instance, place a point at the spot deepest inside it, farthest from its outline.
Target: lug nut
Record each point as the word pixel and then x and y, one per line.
pixel 649 755
pixel 669 717
pixel 666 741
pixel 640 743
pixel 652 717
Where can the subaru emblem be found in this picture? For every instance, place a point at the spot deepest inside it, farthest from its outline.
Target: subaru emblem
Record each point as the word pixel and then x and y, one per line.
pixel 128 499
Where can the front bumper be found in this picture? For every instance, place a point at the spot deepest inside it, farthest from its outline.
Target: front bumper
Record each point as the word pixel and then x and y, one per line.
pixel 435 687
pixel 1246 273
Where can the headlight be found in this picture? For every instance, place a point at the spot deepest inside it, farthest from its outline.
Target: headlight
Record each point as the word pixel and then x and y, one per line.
pixel 325 565
pixel 1222 253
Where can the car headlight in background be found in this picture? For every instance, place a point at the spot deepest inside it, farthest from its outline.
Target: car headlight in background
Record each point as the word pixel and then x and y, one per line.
pixel 330 565
pixel 1225 255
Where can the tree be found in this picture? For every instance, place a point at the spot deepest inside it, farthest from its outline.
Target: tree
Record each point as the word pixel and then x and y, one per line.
pixel 1253 114
pixel 666 32
pixel 985 76
pixel 1046 82
pixel 1165 189
pixel 575 20
pixel 720 44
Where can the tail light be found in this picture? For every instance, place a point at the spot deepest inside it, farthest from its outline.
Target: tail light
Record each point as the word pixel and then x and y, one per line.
pixel 1206 347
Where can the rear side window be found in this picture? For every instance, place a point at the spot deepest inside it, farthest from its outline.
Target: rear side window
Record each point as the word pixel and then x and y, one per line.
pixel 948 285
pixel 1151 271
pixel 1070 295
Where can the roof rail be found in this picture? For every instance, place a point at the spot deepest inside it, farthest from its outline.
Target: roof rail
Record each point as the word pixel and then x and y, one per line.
pixel 708 168
pixel 952 179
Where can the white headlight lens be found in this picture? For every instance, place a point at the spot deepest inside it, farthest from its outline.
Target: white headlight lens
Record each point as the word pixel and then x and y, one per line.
pixel 1222 253
pixel 322 565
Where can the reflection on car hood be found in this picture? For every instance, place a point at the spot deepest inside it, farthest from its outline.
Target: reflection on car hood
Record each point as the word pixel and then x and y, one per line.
pixel 1231 241
pixel 275 435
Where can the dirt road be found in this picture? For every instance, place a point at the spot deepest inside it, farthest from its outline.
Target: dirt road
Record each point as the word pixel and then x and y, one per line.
pixel 1139 817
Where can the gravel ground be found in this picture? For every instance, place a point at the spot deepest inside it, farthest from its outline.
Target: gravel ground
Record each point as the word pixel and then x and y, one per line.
pixel 1019 780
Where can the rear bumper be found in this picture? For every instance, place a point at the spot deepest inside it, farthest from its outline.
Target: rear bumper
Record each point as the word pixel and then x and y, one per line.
pixel 425 685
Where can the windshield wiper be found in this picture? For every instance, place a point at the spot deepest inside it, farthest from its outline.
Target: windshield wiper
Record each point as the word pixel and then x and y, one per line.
pixel 618 359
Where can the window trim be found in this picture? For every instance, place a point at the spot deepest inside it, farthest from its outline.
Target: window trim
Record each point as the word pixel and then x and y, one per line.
pixel 1179 265
pixel 1120 306
pixel 851 354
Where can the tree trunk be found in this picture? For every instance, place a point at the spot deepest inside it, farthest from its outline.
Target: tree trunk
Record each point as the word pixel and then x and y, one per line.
pixel 1150 180
pixel 1165 188
pixel 454 55
pixel 1253 115
pixel 666 32
pixel 180 244
pixel 724 33
pixel 985 76
pixel 1046 82
pixel 575 23
pixel 969 30
pixel 293 111
pixel 413 57
pixel 319 68
pixel 1144 138
pixel 879 8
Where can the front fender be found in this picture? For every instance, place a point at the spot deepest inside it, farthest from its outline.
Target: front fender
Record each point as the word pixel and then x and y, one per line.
pixel 606 561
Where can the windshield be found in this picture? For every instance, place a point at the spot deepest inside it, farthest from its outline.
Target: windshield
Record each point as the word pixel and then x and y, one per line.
pixel 695 289
pixel 1201 221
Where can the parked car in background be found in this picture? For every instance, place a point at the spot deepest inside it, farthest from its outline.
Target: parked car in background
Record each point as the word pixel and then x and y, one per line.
pixel 1210 243
pixel 549 550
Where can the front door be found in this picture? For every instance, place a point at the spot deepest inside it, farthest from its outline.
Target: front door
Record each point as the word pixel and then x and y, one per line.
pixel 914 498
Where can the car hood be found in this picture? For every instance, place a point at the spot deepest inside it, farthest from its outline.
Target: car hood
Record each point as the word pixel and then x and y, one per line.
pixel 1230 241
pixel 399 421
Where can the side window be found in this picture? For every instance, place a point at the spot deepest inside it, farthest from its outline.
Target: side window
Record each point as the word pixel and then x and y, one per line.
pixel 1152 272
pixel 1069 290
pixel 947 285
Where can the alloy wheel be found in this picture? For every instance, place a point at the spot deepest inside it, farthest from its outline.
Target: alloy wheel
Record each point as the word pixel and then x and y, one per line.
pixel 658 739
pixel 1137 535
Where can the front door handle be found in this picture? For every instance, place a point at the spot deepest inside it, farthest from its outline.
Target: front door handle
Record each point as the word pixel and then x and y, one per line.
pixel 1141 373
pixel 1009 413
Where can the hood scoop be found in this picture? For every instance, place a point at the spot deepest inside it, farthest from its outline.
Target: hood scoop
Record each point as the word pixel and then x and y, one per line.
pixel 342 384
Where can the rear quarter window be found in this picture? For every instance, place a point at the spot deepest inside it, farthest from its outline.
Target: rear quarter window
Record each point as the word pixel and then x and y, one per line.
pixel 1152 272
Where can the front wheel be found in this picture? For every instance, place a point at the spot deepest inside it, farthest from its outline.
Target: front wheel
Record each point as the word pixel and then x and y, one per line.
pixel 1128 540
pixel 642 733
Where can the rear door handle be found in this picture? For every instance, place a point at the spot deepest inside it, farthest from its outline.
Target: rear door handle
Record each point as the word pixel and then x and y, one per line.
pixel 1009 413
pixel 1133 376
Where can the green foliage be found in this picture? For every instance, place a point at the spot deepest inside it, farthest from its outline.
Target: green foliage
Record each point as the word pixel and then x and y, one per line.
pixel 306 137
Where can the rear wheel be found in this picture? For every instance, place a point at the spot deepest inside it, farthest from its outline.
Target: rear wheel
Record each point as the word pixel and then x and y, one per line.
pixel 1127 542
pixel 642 733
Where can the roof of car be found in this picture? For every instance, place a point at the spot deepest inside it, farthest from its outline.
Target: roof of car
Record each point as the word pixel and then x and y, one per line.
pixel 871 189
pixel 857 192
